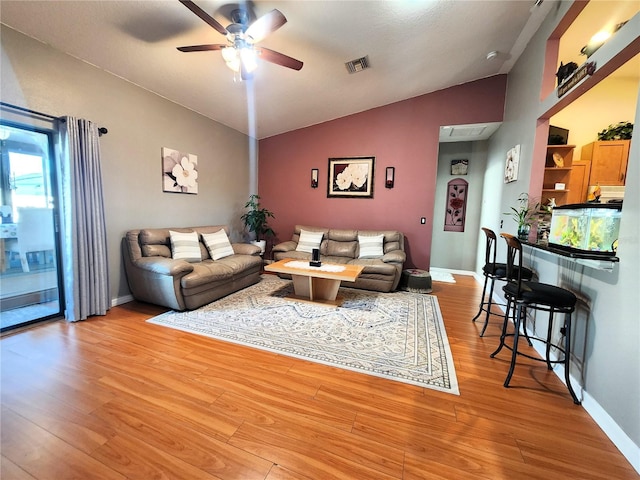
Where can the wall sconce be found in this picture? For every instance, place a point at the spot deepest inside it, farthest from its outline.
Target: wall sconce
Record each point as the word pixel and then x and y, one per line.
pixel 314 178
pixel 391 173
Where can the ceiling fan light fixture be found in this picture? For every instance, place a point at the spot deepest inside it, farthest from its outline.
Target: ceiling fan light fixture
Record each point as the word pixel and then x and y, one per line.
pixel 231 58
pixel 248 58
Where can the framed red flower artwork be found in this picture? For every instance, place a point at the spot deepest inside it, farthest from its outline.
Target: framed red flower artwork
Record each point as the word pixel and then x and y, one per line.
pixel 456 205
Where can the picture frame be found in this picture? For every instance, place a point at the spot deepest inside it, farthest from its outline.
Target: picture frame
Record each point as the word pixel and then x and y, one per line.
pixel 179 171
pixel 351 177
pixel 459 167
pixel 512 164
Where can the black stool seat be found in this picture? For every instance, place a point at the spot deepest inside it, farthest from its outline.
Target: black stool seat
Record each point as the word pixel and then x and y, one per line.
pixel 541 293
pixel 494 271
pixel 522 295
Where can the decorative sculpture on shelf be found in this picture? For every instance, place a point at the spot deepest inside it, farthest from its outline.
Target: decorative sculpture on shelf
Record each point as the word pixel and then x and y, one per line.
pixel 565 71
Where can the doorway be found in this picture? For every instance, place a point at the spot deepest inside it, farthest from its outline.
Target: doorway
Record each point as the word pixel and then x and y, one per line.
pixel 30 277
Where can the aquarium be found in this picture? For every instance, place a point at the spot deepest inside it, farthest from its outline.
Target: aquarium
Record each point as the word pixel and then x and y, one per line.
pixel 586 227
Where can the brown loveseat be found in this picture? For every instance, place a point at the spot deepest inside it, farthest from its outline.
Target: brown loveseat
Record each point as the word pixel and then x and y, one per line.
pixel 155 277
pixel 381 272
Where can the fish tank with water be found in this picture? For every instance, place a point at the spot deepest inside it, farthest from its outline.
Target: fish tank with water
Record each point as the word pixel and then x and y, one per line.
pixel 589 228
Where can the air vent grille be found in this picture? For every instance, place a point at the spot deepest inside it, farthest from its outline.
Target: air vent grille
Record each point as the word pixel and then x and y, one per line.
pixel 357 65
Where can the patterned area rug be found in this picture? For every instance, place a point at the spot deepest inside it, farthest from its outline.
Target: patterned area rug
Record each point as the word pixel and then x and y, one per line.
pixel 399 336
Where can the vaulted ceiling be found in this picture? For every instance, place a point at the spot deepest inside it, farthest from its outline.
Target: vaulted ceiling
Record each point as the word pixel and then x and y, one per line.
pixel 413 47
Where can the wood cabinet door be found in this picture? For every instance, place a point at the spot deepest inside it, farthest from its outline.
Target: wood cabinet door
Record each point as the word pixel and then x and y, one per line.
pixel 608 162
pixel 579 182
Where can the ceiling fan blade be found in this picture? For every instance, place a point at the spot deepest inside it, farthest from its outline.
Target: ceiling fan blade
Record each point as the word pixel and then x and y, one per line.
pixel 278 58
pixel 202 48
pixel 204 16
pixel 266 24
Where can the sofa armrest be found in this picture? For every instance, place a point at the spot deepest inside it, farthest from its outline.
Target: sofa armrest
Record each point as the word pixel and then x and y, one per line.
pixel 395 256
pixel 287 246
pixel 164 266
pixel 246 249
pixel 154 279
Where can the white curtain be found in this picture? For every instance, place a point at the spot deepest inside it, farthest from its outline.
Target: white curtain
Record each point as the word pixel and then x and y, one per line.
pixel 85 262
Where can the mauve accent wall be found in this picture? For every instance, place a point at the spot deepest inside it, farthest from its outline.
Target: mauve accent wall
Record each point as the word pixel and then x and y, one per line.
pixel 403 135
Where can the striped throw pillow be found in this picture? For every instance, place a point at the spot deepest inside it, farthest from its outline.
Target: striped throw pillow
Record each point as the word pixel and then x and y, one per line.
pixel 370 246
pixel 308 241
pixel 218 244
pixel 185 246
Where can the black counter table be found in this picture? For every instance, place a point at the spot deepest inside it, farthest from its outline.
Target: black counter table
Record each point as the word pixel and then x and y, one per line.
pixel 592 260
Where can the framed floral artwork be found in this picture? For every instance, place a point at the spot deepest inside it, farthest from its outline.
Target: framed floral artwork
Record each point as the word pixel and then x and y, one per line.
pixel 351 177
pixel 456 206
pixel 512 164
pixel 179 171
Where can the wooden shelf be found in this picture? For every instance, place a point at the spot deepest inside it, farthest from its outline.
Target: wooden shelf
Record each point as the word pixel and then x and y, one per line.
pixel 554 174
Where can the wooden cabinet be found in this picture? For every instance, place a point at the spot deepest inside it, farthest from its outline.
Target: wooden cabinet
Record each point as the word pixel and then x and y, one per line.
pixel 578 185
pixel 608 161
pixel 558 167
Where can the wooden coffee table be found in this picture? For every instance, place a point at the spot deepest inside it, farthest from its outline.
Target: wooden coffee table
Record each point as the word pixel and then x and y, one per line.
pixel 313 284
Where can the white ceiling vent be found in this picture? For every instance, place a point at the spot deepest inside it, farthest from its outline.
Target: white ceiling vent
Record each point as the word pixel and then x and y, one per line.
pixel 467 131
pixel 357 65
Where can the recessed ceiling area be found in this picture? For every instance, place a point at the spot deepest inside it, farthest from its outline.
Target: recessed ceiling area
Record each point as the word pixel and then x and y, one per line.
pixel 468 133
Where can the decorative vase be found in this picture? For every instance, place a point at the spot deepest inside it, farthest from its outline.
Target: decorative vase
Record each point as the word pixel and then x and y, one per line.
pixel 523 232
pixel 260 243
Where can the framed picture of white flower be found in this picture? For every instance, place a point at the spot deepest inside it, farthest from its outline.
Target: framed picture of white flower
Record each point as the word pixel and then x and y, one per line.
pixel 351 177
pixel 179 171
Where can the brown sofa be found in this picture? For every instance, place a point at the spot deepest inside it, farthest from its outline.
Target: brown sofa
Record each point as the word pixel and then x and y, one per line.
pixel 155 277
pixel 381 273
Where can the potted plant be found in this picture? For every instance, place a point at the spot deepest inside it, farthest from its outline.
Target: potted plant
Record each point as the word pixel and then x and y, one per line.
pixel 619 131
pixel 256 221
pixel 524 215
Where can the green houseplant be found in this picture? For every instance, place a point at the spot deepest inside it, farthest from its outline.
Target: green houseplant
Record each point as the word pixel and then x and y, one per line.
pixel 619 131
pixel 256 220
pixel 524 214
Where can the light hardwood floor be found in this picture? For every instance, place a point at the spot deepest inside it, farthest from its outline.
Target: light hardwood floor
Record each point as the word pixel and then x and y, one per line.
pixel 115 397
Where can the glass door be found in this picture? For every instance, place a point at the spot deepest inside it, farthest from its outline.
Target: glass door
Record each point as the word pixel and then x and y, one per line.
pixel 30 288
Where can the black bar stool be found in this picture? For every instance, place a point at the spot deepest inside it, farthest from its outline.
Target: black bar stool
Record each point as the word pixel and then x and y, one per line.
pixel 522 295
pixel 493 271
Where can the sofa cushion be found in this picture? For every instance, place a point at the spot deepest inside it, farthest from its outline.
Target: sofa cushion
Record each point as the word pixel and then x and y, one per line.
pixel 218 244
pixel 370 246
pixel 341 249
pixel 156 251
pixel 185 246
pixel 308 241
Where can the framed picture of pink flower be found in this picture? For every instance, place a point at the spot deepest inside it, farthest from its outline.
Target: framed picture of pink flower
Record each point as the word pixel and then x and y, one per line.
pixel 179 171
pixel 456 206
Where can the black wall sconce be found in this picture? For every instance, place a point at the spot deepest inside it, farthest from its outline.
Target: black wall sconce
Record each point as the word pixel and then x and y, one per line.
pixel 390 177
pixel 314 178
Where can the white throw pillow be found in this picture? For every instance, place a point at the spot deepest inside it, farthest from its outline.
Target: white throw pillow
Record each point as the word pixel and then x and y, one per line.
pixel 218 244
pixel 185 246
pixel 371 246
pixel 308 241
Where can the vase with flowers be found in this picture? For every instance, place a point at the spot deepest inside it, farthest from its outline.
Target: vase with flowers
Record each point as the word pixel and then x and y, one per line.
pixel 524 214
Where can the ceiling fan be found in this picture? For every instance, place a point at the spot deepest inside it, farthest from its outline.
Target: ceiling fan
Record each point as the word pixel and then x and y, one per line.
pixel 241 52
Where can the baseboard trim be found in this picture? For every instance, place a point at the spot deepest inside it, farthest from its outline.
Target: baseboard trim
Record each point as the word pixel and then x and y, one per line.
pixel 120 300
pixel 611 429
pixel 451 271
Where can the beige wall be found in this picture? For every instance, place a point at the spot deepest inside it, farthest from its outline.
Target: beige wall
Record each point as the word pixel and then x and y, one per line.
pixel 140 123
pixel 611 101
